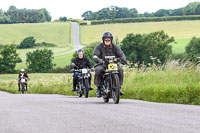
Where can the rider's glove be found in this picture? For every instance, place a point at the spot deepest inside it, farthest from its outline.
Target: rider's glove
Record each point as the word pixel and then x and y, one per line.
pixel 92 69
pixel 124 62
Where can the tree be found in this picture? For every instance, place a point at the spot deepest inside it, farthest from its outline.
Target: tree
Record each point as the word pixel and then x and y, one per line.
pixel 163 12
pixel 86 15
pixel 140 48
pixel 191 8
pixel 8 59
pixel 40 61
pixel 177 12
pixel 28 42
pixel 193 49
pixel 63 19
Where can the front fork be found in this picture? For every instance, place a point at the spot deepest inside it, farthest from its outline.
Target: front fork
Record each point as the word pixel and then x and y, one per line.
pixel 81 84
pixel 108 83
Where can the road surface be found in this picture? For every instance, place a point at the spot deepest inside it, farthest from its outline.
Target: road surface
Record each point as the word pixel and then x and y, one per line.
pixel 42 113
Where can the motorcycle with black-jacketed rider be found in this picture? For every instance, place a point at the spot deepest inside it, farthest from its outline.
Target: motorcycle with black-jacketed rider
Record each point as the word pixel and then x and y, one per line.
pixel 111 85
pixel 23 83
pixel 83 85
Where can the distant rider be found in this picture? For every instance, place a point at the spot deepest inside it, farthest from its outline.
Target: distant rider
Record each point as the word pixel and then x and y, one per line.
pixel 23 74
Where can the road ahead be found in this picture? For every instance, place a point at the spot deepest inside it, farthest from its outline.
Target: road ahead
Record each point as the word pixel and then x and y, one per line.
pixel 33 113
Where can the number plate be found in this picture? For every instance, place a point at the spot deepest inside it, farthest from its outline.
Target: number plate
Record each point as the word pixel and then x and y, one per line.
pixel 23 80
pixel 84 71
pixel 112 67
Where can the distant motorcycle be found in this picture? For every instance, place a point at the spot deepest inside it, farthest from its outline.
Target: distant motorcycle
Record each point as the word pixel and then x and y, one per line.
pixel 23 84
pixel 111 84
pixel 83 86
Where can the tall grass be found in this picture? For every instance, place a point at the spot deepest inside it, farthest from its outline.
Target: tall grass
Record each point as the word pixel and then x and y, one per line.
pixel 177 83
pixel 171 83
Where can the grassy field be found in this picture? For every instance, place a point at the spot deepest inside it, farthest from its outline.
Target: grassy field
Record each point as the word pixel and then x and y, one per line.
pixel 175 84
pixel 62 61
pixel 182 31
pixel 57 33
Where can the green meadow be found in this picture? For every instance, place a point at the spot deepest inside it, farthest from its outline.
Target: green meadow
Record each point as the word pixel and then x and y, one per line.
pixel 182 31
pixel 56 33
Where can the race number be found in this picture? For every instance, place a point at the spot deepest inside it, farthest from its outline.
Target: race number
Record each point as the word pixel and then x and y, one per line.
pixel 112 67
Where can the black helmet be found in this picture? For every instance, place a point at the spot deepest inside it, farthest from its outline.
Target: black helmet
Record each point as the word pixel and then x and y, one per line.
pixel 80 51
pixel 107 35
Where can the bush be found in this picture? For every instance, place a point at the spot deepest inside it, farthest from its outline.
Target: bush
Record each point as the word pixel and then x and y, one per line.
pixel 40 61
pixel 181 57
pixel 65 69
pixel 28 42
pixel 45 44
pixel 147 47
pixel 147 19
pixel 8 59
pixel 193 49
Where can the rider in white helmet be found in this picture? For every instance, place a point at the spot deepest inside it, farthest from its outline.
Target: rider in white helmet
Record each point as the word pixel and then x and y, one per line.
pixel 23 74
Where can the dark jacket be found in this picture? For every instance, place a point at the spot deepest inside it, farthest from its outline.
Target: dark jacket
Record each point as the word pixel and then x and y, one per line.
pixel 113 50
pixel 25 75
pixel 81 63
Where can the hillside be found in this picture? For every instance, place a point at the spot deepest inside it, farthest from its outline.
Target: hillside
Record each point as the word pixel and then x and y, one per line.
pixel 57 33
pixel 182 31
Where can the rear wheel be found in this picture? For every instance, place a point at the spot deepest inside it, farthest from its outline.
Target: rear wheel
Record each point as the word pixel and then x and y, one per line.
pixel 115 88
pixel 86 90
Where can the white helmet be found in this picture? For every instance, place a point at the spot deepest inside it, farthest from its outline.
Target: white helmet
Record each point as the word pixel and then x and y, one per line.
pixel 22 70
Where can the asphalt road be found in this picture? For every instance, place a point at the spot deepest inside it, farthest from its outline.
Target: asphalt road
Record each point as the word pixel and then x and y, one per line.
pixel 40 113
pixel 76 40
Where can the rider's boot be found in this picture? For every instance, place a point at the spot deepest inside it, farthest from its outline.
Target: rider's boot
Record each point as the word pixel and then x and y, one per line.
pixel 26 87
pixel 90 85
pixel 18 87
pixel 98 91
pixel 74 87
pixel 121 92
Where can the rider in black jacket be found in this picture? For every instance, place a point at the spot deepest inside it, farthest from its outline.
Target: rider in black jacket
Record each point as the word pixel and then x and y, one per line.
pixel 81 62
pixel 107 48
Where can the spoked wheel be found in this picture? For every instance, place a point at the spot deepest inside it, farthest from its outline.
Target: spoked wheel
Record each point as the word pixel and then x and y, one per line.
pixel 23 89
pixel 106 97
pixel 116 89
pixel 80 95
pixel 86 90
pixel 79 90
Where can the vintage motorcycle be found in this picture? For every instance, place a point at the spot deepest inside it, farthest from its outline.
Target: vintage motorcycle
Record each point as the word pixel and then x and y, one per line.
pixel 23 84
pixel 111 85
pixel 83 85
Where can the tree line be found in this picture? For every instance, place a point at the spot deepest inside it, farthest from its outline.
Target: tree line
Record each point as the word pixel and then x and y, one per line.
pixel 115 12
pixel 15 15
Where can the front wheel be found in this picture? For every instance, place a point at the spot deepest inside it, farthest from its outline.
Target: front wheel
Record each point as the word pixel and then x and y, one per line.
pixel 106 99
pixel 23 89
pixel 86 91
pixel 115 88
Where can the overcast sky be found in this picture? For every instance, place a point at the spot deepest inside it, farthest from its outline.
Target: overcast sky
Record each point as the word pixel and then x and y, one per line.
pixel 75 8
